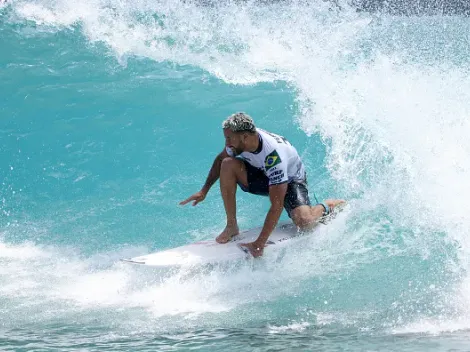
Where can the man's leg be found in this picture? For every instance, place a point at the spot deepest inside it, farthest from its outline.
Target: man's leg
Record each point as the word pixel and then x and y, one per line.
pixel 306 216
pixel 232 172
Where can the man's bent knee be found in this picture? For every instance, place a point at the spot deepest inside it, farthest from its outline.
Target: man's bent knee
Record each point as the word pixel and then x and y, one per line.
pixel 236 168
pixel 302 216
pixel 230 163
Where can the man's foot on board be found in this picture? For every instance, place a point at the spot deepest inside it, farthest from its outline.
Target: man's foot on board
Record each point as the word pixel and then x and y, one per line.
pixel 227 234
pixel 332 203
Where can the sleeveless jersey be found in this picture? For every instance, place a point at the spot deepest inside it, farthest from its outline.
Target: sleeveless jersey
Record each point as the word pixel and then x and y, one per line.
pixel 277 158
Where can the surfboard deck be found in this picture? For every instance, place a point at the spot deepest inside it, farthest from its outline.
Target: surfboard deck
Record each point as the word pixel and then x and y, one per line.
pixel 211 252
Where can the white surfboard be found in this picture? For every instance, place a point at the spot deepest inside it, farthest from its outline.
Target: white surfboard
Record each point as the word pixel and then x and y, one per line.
pixel 211 252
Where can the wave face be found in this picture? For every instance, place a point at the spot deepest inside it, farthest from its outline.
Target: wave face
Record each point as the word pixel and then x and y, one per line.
pixel 111 115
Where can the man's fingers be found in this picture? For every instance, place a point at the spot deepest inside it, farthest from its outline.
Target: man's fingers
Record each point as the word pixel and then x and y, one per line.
pixel 195 198
pixel 196 201
pixel 186 201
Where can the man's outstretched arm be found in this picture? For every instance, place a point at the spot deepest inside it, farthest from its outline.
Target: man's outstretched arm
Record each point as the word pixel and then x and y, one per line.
pixel 214 174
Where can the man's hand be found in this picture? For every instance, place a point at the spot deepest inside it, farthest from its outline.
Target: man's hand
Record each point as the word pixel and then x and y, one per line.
pixel 276 195
pixel 196 198
pixel 255 249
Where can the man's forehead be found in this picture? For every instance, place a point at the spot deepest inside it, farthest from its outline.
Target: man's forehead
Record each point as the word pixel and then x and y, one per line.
pixel 228 132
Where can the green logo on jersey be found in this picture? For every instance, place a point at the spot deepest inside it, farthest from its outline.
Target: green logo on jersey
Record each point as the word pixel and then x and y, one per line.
pixel 272 160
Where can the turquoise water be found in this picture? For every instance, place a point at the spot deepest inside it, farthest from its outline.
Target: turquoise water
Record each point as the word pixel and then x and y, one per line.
pixel 111 114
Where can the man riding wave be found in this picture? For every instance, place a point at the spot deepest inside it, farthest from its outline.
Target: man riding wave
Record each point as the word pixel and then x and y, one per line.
pixel 261 163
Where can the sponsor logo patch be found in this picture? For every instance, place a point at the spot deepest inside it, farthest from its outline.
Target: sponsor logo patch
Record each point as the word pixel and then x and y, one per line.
pixel 276 179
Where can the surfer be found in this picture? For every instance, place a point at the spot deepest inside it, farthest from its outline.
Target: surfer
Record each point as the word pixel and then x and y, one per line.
pixel 261 163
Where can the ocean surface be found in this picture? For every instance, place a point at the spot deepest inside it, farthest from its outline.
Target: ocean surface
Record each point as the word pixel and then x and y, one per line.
pixel 110 115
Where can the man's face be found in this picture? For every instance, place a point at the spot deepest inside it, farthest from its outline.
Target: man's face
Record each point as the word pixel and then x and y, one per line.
pixel 234 141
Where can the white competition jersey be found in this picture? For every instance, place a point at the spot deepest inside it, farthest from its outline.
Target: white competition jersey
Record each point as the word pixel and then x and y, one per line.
pixel 276 157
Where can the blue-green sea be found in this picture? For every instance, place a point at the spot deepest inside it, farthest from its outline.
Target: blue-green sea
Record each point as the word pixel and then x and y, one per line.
pixel 110 115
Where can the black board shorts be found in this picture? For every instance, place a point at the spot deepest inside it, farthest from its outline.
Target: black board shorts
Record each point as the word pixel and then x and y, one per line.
pixel 258 183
